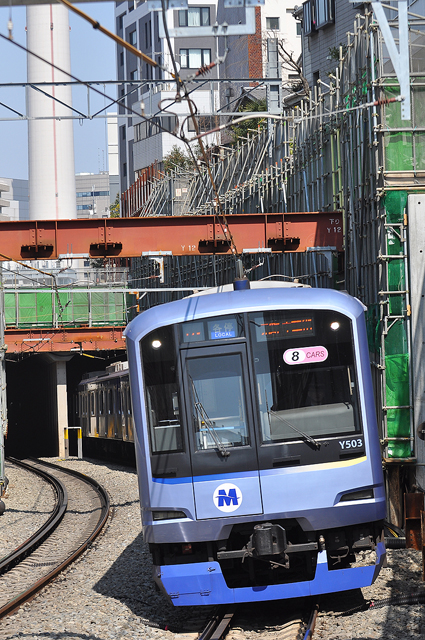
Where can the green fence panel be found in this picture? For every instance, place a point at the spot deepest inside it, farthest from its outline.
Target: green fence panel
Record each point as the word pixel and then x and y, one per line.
pixel 44 308
pixel 63 304
pixel 10 308
pixel 80 307
pixel 76 308
pixel 108 308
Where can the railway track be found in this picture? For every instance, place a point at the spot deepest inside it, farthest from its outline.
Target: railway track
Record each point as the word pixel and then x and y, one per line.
pixel 262 621
pixel 81 510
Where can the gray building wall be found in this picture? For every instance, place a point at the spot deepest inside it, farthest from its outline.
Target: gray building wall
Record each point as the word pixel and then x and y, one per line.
pixel 317 47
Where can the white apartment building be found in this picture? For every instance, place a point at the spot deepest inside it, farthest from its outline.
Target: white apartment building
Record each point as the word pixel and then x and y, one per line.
pixel 150 92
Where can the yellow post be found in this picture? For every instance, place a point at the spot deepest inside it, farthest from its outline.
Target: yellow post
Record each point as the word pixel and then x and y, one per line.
pixel 80 443
pixel 65 435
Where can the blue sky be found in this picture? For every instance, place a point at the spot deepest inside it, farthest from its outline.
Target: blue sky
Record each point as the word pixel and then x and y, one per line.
pixel 92 58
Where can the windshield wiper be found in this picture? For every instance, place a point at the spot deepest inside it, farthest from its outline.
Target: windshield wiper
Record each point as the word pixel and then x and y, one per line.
pixel 305 436
pixel 208 422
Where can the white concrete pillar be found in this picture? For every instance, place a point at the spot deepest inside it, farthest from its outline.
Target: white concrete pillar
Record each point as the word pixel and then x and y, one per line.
pixel 50 136
pixel 61 404
pixel 59 398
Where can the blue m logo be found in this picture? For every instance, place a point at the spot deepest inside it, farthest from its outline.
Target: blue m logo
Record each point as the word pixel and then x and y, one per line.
pixel 227 498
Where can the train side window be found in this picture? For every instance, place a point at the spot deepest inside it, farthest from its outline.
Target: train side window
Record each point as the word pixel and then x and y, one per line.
pixel 92 403
pixel 118 400
pixel 128 401
pixel 110 401
pixel 162 391
pixel 100 400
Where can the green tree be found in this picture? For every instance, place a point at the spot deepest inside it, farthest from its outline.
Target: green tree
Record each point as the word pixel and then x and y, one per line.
pixel 176 158
pixel 114 208
pixel 241 129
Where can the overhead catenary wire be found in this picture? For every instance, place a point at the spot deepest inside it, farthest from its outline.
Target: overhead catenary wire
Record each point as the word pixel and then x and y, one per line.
pixel 87 84
pixel 219 208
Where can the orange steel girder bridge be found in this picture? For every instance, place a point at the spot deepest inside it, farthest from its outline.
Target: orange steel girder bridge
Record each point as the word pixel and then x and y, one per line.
pixel 133 237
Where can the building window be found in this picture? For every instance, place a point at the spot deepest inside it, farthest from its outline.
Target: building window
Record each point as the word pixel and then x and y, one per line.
pixel 91 194
pixel 120 21
pixel 194 17
pixel 130 5
pixel 317 14
pixel 158 70
pixel 151 127
pixel 194 58
pixel 308 17
pixel 148 34
pixel 122 132
pixel 272 24
pixel 324 12
pixel 124 170
pixel 133 75
pixel 298 28
pixel 132 37
pixel 121 58
pixel 205 123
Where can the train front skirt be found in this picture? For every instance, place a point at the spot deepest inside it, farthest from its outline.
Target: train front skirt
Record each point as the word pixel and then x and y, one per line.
pixel 203 583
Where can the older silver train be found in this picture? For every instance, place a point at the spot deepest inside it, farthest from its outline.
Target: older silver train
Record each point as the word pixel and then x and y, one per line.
pixel 104 412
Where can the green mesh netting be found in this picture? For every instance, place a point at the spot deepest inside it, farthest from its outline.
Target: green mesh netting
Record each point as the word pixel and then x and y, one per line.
pixel 398 144
pixel 398 394
pixel 373 328
pixel 395 203
pixel 396 340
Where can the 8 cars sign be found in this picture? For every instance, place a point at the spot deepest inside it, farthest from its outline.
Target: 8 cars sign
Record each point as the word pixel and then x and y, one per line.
pixel 305 355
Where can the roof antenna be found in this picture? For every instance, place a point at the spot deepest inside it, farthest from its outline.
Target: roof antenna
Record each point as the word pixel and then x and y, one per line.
pixel 241 281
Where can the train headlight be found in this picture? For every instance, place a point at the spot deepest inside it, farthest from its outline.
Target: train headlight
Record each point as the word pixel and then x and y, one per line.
pixel 335 326
pixel 168 515
pixel 156 344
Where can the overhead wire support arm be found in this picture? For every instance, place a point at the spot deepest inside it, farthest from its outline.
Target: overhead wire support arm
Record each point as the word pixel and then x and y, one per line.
pixel 96 25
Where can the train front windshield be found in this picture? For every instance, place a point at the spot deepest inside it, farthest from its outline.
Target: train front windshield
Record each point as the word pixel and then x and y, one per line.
pixel 218 401
pixel 305 375
pixel 224 385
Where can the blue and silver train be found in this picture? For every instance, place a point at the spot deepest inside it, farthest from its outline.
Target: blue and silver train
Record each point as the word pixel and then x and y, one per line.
pixel 257 446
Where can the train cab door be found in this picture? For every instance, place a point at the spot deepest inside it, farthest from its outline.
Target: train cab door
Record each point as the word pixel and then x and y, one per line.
pixel 221 435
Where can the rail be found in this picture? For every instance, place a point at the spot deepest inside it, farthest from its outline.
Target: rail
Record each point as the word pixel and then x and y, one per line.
pixel 23 586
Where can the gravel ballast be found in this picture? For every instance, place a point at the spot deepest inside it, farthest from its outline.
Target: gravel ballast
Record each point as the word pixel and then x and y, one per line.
pixel 109 593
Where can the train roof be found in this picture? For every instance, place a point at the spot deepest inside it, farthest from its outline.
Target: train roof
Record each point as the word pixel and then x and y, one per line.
pixel 225 300
pixel 256 284
pixel 116 370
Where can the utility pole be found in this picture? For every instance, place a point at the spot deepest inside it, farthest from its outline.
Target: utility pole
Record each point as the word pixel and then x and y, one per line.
pixel 274 103
pixel 3 397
